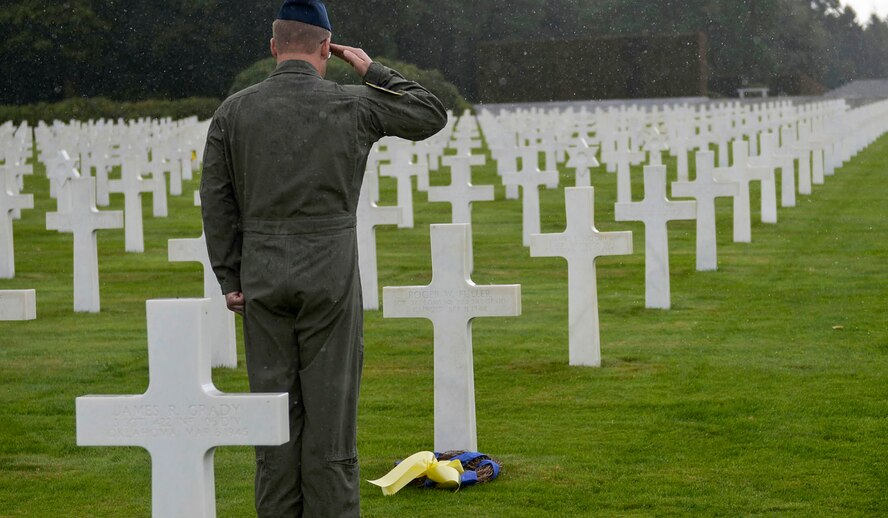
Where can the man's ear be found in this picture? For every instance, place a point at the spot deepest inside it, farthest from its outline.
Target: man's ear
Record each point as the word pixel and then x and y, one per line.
pixel 325 49
pixel 274 51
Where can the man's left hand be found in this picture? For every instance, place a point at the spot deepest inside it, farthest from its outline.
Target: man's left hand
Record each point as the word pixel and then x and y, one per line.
pixel 235 302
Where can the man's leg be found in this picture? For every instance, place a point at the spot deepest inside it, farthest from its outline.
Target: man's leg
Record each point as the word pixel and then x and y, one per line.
pixel 272 366
pixel 330 337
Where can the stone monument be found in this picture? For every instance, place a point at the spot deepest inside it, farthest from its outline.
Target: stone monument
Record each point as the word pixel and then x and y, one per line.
pixel 17 305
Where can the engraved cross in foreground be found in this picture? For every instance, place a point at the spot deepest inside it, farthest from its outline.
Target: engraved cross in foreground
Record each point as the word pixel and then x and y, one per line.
pixel 182 417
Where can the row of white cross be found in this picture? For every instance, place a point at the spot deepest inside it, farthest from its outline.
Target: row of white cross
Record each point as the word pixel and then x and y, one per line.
pixel 182 418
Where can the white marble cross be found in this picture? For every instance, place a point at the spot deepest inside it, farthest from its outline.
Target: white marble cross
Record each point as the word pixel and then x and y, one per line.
pixel 222 335
pixel 742 173
pixel 507 161
pixel 768 163
pixel 530 162
pixel 182 417
pixel 654 145
pixel 581 244
pixel 786 160
pixel 461 193
pixel 530 180
pixel 98 158
pixel 705 189
pixel 157 181
pixel 9 203
pixel 451 301
pixel 806 145
pixel 772 157
pixel 624 158
pixel 655 211
pixel 18 305
pixel 14 175
pixel 401 152
pixel 403 174
pixel 164 158
pixel 789 144
pixel 132 185
pixel 83 221
pixel 370 215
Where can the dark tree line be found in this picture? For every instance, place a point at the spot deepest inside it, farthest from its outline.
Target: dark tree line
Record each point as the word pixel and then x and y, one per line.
pixel 178 48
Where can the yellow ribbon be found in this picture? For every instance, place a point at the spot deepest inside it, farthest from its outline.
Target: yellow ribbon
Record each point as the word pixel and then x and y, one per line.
pixel 445 473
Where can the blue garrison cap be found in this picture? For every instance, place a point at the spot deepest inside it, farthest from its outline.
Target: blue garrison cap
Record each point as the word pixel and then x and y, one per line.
pixel 312 12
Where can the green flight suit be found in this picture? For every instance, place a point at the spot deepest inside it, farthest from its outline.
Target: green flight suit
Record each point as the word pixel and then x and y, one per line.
pixel 282 173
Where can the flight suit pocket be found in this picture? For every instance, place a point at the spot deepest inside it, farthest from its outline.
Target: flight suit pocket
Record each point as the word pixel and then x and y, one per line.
pixel 264 263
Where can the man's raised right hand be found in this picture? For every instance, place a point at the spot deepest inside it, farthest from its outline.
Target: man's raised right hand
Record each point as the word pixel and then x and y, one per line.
pixel 357 58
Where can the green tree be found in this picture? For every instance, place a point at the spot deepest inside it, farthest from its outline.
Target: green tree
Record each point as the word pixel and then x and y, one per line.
pixel 176 48
pixel 46 48
pixel 874 56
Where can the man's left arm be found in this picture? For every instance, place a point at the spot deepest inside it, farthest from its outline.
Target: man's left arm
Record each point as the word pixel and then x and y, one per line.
pixel 219 208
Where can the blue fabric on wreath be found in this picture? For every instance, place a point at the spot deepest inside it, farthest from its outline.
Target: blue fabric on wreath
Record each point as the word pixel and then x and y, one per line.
pixel 469 477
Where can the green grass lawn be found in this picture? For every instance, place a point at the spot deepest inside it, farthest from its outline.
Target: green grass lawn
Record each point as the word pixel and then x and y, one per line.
pixel 764 391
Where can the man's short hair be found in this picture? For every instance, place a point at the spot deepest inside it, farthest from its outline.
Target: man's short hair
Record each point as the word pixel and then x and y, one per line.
pixel 293 36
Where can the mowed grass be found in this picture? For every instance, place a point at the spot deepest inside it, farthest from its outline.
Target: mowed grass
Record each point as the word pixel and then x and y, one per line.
pixel 763 391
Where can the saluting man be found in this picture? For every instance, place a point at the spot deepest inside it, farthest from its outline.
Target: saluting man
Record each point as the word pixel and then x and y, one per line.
pixel 283 168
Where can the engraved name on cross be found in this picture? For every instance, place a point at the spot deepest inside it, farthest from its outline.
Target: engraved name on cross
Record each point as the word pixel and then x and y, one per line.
pixel 182 417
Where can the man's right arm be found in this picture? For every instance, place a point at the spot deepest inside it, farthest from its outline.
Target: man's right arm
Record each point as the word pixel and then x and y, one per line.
pixel 400 107
pixel 396 106
pixel 219 208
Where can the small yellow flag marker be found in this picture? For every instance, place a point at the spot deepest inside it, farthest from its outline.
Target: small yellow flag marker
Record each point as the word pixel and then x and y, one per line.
pixel 424 463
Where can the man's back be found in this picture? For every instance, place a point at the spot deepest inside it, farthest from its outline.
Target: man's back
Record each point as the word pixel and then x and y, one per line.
pixel 299 143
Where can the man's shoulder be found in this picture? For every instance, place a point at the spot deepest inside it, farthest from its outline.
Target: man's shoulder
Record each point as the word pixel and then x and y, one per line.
pixel 238 96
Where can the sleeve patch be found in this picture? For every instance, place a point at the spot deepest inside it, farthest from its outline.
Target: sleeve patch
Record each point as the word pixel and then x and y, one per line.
pixel 386 90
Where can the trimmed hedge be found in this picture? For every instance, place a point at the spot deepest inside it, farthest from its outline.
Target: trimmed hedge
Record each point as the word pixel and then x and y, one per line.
pixel 618 67
pixel 340 72
pixel 83 109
